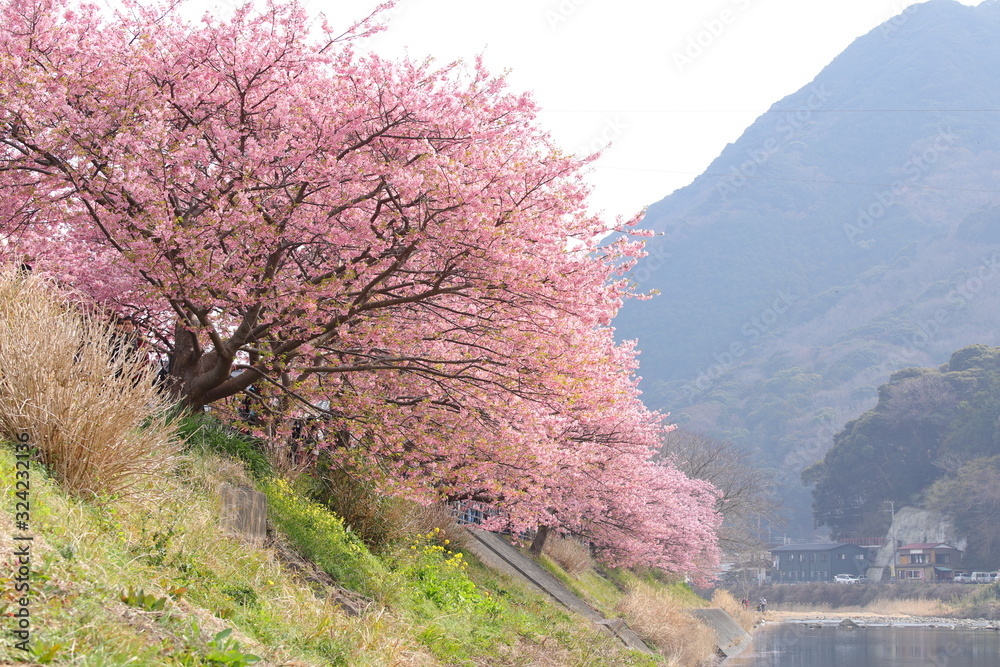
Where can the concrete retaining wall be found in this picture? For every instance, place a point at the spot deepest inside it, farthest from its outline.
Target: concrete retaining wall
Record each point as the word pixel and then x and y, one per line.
pixel 731 638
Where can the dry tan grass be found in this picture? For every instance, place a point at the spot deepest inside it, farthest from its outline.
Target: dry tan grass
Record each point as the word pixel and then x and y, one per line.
pixel 907 607
pixel 572 555
pixel 92 412
pixel 878 607
pixel 723 599
pixel 682 639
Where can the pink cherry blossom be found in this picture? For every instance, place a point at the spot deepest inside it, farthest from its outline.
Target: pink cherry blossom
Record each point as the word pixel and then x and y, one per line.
pixel 396 245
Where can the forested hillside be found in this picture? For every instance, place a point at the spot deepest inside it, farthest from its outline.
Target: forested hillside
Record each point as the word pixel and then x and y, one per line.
pixel 852 231
pixel 932 439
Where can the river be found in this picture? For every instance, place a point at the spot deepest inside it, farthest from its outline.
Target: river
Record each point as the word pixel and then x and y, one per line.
pixel 802 645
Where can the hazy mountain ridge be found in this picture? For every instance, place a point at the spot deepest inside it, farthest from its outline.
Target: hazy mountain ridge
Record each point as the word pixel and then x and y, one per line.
pixel 848 233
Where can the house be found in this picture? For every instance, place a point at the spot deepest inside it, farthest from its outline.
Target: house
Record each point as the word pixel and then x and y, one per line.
pixel 927 562
pixel 817 562
pixel 746 568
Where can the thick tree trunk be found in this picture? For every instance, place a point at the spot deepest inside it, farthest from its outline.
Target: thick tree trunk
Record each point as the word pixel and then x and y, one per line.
pixel 183 364
pixel 538 543
pixel 194 374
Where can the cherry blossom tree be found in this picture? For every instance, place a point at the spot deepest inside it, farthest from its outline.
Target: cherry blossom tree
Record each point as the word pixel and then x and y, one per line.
pixel 396 246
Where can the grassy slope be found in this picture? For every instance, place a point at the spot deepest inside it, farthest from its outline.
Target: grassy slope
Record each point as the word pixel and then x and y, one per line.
pixel 428 605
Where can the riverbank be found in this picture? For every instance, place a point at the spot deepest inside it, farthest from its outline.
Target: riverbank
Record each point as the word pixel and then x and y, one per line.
pixel 949 601
pixel 864 618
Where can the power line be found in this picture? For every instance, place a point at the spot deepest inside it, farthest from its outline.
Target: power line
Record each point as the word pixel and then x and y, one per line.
pixel 800 180
pixel 880 110
pixel 765 111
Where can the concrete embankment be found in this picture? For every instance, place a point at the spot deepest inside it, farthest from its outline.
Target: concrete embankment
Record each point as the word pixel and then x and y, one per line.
pixel 496 553
pixel 732 638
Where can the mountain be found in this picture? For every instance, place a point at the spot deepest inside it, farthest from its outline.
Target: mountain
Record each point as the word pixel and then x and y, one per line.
pixel 851 231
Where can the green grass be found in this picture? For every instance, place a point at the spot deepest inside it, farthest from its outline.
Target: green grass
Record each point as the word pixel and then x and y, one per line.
pixel 604 588
pixel 161 584
pixel 591 586
pixel 203 434
pixel 323 538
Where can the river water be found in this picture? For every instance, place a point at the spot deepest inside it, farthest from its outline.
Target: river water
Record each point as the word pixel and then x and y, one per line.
pixel 800 645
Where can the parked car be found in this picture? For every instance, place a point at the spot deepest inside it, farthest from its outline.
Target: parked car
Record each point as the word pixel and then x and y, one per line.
pixel 983 577
pixel 863 579
pixel 962 578
pixel 846 579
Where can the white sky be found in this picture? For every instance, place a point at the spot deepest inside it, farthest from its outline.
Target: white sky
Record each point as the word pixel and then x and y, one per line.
pixel 633 70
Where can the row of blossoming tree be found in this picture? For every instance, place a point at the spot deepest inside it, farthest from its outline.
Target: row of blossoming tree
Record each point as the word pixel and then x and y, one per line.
pixel 395 246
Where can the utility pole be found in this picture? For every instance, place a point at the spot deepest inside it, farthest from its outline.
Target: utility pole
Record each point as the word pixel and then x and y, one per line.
pixel 892 535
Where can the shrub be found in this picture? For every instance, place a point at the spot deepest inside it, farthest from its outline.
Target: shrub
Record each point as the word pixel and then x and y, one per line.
pixel 438 520
pixel 323 538
pixel 378 519
pixel 382 521
pixel 81 392
pixel 572 555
